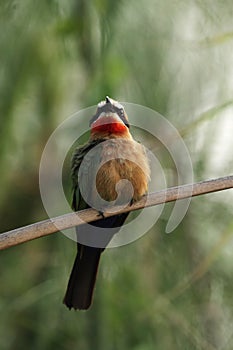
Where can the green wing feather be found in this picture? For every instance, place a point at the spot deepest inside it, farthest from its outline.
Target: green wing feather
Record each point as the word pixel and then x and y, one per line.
pixel 86 176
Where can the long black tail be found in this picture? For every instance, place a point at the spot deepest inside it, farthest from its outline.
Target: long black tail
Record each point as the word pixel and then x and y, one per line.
pixel 83 275
pixel 82 279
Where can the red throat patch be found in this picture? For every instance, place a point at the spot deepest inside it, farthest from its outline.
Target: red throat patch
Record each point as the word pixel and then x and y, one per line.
pixel 108 124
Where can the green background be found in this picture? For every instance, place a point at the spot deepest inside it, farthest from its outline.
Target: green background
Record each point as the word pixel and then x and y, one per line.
pixel 165 291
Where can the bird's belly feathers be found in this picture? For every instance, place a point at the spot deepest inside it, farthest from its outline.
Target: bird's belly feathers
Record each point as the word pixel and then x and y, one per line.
pixel 124 160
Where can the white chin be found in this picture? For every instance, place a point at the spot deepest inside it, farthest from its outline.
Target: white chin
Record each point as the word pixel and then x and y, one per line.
pixel 110 115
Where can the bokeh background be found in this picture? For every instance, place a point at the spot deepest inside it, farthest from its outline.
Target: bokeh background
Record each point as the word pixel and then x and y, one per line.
pixel 165 291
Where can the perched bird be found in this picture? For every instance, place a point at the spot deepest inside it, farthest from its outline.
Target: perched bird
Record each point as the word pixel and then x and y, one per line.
pixel 110 156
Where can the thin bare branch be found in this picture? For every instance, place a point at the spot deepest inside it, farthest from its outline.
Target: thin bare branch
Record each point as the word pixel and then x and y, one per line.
pixel 46 227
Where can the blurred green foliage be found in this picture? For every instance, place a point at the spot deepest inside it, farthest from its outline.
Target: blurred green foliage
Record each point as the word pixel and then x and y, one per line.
pixel 163 291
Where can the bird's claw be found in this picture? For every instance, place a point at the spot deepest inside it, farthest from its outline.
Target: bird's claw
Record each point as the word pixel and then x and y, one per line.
pixel 101 213
pixel 131 202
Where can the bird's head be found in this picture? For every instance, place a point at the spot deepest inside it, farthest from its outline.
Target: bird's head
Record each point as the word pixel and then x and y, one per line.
pixel 110 118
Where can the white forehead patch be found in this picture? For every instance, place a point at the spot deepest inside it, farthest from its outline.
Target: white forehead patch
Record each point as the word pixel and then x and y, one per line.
pixel 101 104
pixel 113 102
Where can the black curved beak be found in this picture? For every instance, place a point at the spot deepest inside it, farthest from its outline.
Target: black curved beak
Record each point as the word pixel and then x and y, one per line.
pixel 107 99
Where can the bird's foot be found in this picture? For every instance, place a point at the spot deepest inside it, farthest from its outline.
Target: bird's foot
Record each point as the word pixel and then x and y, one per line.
pixel 132 202
pixel 101 213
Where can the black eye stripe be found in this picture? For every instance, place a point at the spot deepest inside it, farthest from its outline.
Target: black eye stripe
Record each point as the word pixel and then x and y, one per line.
pixel 125 121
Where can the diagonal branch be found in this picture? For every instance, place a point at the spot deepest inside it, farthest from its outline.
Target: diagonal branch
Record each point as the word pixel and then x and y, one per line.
pixel 46 227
